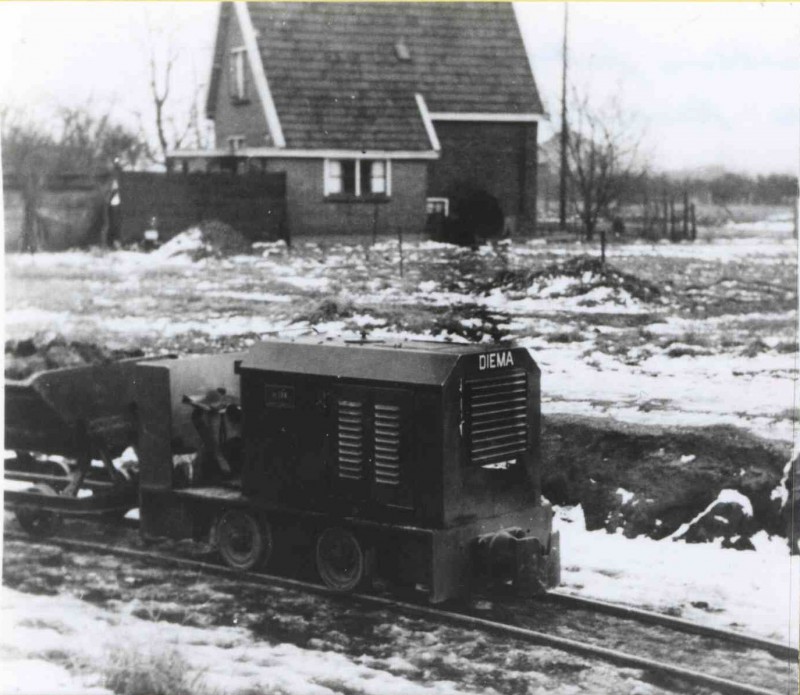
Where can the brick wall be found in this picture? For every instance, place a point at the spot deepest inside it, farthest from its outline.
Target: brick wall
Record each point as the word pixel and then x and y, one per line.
pixel 308 212
pixel 254 204
pixel 246 118
pixel 499 158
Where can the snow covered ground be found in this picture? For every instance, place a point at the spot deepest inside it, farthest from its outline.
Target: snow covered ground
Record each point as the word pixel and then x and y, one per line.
pixel 111 623
pixel 755 592
pixel 726 319
pixel 224 660
pixel 718 346
pixel 65 644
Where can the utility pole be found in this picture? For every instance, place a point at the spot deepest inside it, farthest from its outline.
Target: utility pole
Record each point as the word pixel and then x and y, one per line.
pixel 562 193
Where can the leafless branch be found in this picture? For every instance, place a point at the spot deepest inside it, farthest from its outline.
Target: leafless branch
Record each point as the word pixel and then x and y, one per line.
pixel 176 125
pixel 603 156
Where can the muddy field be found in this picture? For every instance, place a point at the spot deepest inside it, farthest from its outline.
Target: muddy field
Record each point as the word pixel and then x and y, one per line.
pixel 238 639
pixel 633 342
pixel 667 393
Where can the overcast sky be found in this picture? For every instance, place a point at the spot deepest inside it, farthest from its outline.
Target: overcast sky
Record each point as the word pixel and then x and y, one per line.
pixel 713 84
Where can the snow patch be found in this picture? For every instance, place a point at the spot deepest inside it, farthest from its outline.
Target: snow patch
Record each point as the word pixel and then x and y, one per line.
pixel 625 495
pixel 225 659
pixel 781 490
pixel 725 497
pixel 749 591
pixel 186 243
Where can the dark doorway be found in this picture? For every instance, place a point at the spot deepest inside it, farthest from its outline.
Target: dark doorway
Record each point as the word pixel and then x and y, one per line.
pixel 475 215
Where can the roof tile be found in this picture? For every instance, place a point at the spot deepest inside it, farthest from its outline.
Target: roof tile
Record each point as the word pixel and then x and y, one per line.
pixel 337 81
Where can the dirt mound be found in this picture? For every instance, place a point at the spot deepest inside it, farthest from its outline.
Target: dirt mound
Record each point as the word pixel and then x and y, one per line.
pixel 328 309
pixel 42 352
pixel 729 517
pixel 579 276
pixel 648 480
pixel 474 322
pixel 211 239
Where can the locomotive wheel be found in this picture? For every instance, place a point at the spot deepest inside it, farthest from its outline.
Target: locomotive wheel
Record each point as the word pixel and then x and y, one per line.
pixel 341 561
pixel 244 541
pixel 39 522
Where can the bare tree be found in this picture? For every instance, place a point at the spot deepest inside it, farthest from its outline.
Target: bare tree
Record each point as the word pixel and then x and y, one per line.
pixel 604 157
pixel 177 122
pixel 28 154
pixel 76 141
pixel 87 140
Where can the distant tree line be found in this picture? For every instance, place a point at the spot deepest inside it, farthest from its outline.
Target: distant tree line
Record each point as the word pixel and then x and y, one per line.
pixel 75 146
pixel 722 189
pixel 75 141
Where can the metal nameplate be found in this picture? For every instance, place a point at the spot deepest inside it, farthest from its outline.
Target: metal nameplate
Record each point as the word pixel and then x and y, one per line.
pixel 276 396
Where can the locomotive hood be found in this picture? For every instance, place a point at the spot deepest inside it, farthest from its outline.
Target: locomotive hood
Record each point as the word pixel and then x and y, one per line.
pixel 419 363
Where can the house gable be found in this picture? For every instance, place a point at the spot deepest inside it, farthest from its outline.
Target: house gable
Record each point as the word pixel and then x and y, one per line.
pixel 250 119
pixel 345 76
pixel 449 83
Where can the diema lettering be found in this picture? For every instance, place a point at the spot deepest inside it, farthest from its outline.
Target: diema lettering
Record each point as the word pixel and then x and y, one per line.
pixel 495 360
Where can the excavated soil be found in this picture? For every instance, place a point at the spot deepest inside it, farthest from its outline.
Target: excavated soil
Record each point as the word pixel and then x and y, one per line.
pixel 47 351
pixel 588 273
pixel 651 480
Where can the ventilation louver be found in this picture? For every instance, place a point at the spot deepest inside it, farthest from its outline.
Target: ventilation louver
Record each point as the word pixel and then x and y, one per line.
pixel 497 416
pixel 351 440
pixel 387 444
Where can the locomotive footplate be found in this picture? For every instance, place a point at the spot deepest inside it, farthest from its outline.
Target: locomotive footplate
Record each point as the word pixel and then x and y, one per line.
pixel 118 499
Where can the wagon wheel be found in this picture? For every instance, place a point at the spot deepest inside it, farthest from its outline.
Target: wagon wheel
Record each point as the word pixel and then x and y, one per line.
pixel 39 522
pixel 341 561
pixel 244 541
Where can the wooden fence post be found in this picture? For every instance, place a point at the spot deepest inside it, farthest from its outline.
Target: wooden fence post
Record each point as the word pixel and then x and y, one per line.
pixel 285 229
pixel 672 219
pixel 666 217
pixel 685 215
pixel 603 245
pixel 400 246
pixel 694 223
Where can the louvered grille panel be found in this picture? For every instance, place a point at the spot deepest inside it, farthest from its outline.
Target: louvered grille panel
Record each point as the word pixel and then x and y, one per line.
pixel 498 416
pixel 387 444
pixel 351 440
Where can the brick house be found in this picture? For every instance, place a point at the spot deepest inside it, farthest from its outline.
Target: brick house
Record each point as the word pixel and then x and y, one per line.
pixel 376 112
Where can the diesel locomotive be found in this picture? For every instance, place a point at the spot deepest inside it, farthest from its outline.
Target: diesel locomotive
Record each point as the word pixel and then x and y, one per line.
pixel 417 462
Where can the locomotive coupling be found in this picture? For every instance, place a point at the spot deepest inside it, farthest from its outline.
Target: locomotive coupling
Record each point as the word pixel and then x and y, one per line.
pixel 509 555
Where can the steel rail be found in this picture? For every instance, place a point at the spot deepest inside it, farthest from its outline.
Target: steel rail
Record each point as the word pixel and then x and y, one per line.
pixel 779 649
pixel 255 580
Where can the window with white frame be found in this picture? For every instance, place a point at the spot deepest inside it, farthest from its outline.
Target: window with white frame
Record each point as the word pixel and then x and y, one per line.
pixel 236 142
pixel 238 81
pixel 358 177
pixel 437 206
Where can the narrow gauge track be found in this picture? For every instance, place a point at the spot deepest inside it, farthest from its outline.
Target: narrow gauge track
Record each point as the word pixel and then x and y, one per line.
pixel 777 649
pixel 462 619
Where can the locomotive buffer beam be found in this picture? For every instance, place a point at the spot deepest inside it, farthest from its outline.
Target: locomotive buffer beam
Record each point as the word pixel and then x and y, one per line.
pixel 509 556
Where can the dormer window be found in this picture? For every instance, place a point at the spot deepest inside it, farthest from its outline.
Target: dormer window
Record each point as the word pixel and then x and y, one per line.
pixel 238 76
pixel 401 50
